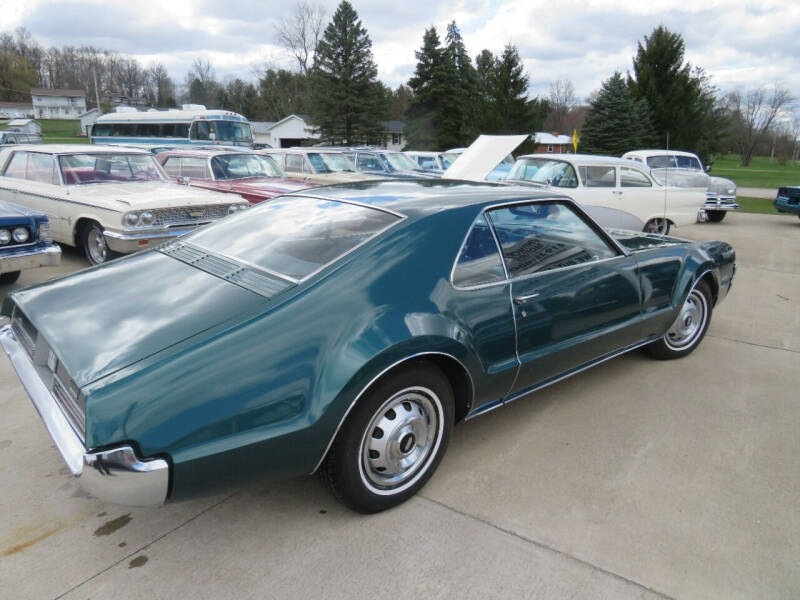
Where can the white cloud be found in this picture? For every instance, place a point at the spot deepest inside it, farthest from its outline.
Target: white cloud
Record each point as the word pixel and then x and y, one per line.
pixel 584 41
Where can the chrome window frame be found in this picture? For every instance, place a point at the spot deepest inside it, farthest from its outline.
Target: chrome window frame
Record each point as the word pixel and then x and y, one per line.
pixel 605 236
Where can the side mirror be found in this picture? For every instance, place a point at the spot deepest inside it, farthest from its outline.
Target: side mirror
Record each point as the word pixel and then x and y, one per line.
pixel 183 180
pixel 212 136
pixel 708 169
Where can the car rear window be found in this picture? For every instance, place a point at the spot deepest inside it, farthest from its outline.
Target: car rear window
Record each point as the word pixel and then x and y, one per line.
pixel 293 236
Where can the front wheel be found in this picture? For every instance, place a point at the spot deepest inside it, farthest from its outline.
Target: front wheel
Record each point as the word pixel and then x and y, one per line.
pixel 660 226
pixel 9 278
pixel 94 244
pixel 689 328
pixel 715 216
pixel 393 441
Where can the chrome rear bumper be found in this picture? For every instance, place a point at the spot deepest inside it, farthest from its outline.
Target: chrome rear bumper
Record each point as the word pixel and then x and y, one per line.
pixel 116 475
pixel 37 256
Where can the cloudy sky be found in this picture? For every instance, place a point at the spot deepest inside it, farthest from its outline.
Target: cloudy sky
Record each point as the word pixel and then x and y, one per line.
pixel 738 43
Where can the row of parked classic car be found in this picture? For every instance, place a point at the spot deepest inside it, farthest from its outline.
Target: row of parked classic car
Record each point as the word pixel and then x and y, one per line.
pixel 111 200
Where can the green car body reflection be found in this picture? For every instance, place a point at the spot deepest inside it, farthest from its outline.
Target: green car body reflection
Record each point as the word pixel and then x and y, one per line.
pixel 246 349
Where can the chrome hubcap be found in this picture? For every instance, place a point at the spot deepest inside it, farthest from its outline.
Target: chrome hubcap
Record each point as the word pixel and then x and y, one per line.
pixel 98 250
pixel 689 323
pixel 400 438
pixel 656 226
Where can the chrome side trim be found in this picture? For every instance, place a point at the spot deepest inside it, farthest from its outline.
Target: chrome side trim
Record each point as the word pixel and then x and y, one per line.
pixel 373 380
pixel 116 475
pixel 541 386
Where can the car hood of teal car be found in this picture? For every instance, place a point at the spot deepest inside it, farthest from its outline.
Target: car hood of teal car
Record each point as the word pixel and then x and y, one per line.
pixel 100 320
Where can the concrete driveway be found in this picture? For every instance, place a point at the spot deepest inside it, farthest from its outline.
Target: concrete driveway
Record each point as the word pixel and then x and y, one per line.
pixel 637 479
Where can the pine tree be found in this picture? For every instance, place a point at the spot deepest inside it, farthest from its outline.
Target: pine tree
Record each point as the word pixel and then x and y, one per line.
pixel 681 101
pixel 510 93
pixel 424 117
pixel 347 101
pixel 460 126
pixel 616 122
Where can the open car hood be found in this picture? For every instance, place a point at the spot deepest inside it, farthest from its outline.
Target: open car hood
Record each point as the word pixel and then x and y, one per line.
pixel 483 155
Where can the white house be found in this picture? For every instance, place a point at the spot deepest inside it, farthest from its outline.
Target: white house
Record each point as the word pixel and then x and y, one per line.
pixel 58 104
pixel 15 110
pixel 25 125
pixel 294 130
pixel 87 120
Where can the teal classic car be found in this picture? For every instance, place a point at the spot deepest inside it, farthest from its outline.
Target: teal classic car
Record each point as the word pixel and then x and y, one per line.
pixel 788 200
pixel 341 330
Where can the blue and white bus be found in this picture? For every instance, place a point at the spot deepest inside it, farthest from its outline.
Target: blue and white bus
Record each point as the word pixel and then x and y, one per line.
pixel 193 125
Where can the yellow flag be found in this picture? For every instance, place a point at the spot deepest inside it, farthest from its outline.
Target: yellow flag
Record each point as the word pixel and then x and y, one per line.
pixel 575 140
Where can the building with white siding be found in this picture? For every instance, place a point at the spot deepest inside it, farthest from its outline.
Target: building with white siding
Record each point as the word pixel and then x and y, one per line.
pixel 58 104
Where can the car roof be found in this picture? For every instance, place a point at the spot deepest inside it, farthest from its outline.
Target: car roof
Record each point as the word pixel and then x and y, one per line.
pixel 584 159
pixel 299 151
pixel 421 197
pixel 78 149
pixel 662 152
pixel 202 152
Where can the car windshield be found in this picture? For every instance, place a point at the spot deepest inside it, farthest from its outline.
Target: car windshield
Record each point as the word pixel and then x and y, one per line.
pixel 239 166
pixel 293 236
pixel 78 169
pixel 448 159
pixel 401 162
pixel 331 162
pixel 664 161
pixel 232 131
pixel 540 170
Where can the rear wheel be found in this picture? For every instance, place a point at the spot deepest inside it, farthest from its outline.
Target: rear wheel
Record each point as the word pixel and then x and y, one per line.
pixel 660 226
pixel 10 277
pixel 393 441
pixel 715 216
pixel 689 328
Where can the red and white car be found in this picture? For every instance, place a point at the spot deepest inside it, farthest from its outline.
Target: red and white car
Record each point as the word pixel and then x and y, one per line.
pixel 254 177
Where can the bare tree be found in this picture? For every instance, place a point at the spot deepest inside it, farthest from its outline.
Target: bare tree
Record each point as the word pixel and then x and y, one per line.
pixel 163 89
pixel 752 113
pixel 562 102
pixel 299 34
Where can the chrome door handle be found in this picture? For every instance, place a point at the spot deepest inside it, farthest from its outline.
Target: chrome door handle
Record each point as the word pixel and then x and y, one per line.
pixel 524 299
pixel 617 192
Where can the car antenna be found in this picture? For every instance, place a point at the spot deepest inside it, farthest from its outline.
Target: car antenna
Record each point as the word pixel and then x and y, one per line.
pixel 666 180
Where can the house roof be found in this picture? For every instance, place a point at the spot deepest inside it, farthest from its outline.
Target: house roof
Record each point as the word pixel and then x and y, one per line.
pixel 20 122
pixel 261 126
pixel 393 126
pixel 16 105
pixel 57 92
pixel 543 137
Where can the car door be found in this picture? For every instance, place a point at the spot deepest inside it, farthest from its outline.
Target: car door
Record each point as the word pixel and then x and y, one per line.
pixel 599 186
pixel 576 295
pixel 41 190
pixel 638 195
pixel 481 305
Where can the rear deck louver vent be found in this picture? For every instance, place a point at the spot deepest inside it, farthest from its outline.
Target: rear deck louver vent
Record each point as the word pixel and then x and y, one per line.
pixel 250 279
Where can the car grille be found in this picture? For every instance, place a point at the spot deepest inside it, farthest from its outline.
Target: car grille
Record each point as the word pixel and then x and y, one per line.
pixel 183 215
pixel 52 372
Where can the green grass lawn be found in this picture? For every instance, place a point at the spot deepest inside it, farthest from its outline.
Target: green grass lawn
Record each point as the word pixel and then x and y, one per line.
pixel 59 131
pixel 758 205
pixel 762 173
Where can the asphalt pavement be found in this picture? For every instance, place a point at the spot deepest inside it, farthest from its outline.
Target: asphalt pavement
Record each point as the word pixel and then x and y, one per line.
pixel 635 479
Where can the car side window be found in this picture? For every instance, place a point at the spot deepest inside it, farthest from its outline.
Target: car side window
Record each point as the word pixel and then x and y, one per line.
pixel 194 167
pixel 479 261
pixel 294 162
pixel 604 177
pixel 633 178
pixel 173 166
pixel 544 236
pixel 41 167
pixel 17 166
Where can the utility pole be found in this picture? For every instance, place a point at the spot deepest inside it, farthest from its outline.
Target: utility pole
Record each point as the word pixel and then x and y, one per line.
pixel 96 91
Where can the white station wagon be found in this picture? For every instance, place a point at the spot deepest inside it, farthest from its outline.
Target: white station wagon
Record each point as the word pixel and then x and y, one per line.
pixel 107 199
pixel 615 183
